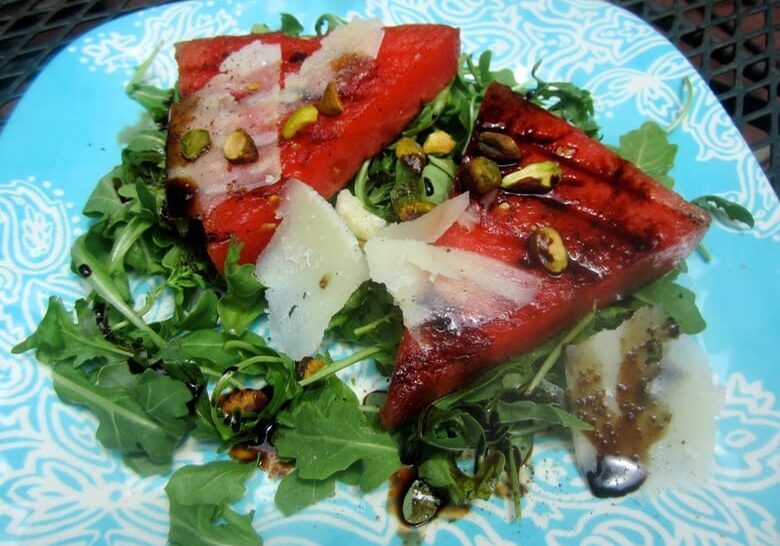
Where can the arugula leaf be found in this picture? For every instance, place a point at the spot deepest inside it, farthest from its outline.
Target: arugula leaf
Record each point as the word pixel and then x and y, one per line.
pixel 480 76
pixel 295 493
pixel 443 472
pixel 528 410
pixel 720 207
pixel 259 28
pixel 143 466
pixel 650 150
pixel 498 413
pixel 155 100
pixel 59 340
pixel 290 25
pixel 104 199
pixel 688 86
pixel 326 22
pixel 373 183
pixel 483 65
pixel 125 423
pixel 114 376
pixel 609 318
pixel 209 525
pixel 326 433
pixel 679 302
pixel 370 318
pixel 205 347
pixel 165 399
pixel 199 512
pixel 125 239
pixel 330 367
pixel 217 482
pixel 565 100
pixel 430 113
pixel 454 429
pixel 244 300
pixel 569 336
pixel 100 279
pixel 201 313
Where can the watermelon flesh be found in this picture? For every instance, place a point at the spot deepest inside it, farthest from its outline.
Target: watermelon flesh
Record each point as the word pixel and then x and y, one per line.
pixel 621 228
pixel 413 64
pixel 199 60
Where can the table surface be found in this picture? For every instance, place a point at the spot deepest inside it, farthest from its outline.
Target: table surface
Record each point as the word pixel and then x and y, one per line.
pixel 731 42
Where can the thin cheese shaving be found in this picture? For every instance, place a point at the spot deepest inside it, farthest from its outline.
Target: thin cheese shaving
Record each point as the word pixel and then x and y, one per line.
pixel 361 38
pixel 244 95
pixel 311 267
pixel 460 287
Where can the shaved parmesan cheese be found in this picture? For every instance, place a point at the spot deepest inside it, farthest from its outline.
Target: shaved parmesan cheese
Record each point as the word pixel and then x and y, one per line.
pixel 359 220
pixel 244 95
pixel 462 288
pixel 255 65
pixel 688 446
pixel 433 282
pixel 361 38
pixel 432 225
pixel 652 402
pixel 311 267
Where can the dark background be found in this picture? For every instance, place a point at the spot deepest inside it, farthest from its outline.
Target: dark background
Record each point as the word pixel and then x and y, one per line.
pixel 731 42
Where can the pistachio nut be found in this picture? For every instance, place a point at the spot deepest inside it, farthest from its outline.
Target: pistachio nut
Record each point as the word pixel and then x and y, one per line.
pixel 547 247
pixel 480 175
pixel 498 147
pixel 538 177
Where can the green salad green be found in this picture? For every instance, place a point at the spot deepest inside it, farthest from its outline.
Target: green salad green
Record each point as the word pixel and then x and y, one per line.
pixel 152 383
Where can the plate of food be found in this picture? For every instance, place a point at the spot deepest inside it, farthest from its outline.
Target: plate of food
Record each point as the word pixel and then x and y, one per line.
pixel 388 272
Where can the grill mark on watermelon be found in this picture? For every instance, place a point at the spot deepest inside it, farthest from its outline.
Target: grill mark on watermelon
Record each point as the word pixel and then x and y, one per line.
pixel 622 229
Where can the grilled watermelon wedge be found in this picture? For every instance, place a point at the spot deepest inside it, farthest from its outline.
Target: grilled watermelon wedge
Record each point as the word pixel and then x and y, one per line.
pixel 413 64
pixel 621 228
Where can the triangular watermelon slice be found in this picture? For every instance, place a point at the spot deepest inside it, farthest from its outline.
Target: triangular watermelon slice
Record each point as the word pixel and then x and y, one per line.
pixel 413 64
pixel 621 228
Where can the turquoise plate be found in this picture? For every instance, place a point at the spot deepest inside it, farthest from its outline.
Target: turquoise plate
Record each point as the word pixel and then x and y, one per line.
pixel 57 484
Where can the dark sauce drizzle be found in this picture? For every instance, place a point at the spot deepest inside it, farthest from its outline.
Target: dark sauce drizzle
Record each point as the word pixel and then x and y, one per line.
pixel 623 439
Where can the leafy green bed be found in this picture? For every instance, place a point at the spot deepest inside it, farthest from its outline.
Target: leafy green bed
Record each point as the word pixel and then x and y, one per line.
pixel 153 383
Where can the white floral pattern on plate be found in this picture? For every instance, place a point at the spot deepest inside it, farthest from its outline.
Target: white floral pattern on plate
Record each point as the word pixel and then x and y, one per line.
pixel 59 486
